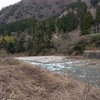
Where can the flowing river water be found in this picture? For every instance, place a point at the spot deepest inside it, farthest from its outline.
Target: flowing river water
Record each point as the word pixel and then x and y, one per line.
pixel 79 69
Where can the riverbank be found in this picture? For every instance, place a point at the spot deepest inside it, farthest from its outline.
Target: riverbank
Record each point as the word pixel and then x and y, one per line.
pixel 43 59
pixel 22 81
pixel 75 60
pixel 77 68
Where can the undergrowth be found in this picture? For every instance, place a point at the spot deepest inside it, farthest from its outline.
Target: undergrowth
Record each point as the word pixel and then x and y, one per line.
pixel 86 42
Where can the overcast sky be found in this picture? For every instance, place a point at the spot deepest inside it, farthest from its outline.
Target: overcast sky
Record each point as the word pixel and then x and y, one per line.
pixel 4 3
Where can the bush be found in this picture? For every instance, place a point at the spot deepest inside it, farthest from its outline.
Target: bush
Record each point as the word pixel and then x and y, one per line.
pixel 8 42
pixel 95 37
pixel 86 42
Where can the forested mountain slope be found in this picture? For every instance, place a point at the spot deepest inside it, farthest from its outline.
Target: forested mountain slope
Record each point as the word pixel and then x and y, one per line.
pixel 41 9
pixel 28 8
pixel 39 30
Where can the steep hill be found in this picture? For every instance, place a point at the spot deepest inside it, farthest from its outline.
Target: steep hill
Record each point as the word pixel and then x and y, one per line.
pixel 28 8
pixel 41 9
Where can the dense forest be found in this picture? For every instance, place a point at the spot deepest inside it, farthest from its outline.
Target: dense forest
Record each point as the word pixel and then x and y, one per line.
pixel 32 36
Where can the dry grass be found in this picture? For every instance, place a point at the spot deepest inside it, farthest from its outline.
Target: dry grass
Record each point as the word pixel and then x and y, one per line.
pixel 8 61
pixel 22 81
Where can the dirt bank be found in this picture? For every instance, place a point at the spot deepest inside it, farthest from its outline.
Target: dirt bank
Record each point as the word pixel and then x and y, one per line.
pixel 21 81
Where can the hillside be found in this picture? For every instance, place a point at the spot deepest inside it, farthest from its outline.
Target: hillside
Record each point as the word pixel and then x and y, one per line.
pixel 21 81
pixel 39 8
pixel 48 27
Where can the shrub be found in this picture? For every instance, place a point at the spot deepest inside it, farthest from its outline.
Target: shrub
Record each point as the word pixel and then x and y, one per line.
pixel 95 37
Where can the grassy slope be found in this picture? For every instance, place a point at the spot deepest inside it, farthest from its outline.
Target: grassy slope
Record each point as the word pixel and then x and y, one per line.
pixel 21 81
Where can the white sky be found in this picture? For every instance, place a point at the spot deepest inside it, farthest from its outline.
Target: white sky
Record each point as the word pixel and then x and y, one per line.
pixel 4 3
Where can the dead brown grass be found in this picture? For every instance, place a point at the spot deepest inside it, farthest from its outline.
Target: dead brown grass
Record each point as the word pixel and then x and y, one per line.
pixel 8 61
pixel 22 81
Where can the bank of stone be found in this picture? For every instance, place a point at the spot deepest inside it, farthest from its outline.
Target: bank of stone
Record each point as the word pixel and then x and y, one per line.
pixel 92 54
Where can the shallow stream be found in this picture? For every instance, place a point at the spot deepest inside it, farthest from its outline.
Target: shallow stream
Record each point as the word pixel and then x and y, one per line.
pixel 80 70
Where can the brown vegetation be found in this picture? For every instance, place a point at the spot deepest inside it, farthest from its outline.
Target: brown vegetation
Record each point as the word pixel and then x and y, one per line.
pixel 40 9
pixel 21 81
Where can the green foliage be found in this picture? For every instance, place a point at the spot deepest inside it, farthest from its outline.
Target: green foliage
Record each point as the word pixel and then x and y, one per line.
pixel 79 6
pixel 19 44
pixel 86 42
pixel 67 23
pixel 86 22
pixel 41 34
pixel 8 42
pixel 30 47
pixel 37 36
pixel 21 26
pixel 94 2
pixel 95 38
pixel 34 36
pixel 50 23
pixel 85 17
pixel 98 14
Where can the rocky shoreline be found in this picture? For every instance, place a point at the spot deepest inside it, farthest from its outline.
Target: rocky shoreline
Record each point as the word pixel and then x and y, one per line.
pixel 74 61
pixel 43 59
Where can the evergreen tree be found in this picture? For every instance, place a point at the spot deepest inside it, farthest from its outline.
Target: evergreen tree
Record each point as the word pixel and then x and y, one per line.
pixel 20 44
pixel 30 46
pixel 94 2
pixel 86 22
pixel 98 14
pixel 68 23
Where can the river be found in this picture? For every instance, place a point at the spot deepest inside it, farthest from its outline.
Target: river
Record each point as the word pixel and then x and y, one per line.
pixel 82 70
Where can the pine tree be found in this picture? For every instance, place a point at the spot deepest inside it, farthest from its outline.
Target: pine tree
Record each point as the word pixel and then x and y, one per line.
pixel 98 14
pixel 86 23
